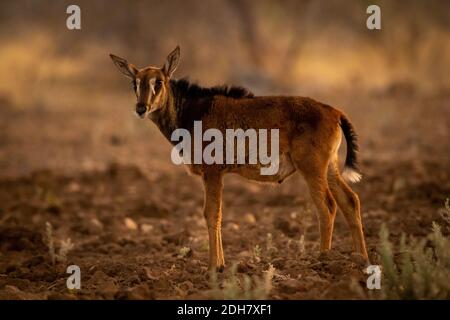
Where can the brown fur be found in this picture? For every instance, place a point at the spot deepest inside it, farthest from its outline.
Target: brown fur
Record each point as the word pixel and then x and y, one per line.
pixel 309 137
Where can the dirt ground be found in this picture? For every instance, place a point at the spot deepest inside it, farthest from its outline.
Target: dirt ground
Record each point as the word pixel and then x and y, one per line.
pixel 105 180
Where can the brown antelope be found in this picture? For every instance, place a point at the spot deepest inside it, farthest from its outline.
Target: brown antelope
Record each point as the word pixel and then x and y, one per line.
pixel 310 134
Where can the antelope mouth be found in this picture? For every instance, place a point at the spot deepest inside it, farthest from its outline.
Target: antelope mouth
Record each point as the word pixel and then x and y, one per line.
pixel 140 115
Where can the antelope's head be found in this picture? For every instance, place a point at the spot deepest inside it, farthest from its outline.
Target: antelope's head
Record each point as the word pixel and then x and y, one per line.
pixel 151 84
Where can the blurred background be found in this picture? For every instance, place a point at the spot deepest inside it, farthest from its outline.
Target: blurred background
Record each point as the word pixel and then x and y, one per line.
pixel 59 84
pixel 73 153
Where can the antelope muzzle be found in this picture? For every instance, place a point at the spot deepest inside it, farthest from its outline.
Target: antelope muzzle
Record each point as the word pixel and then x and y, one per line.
pixel 141 109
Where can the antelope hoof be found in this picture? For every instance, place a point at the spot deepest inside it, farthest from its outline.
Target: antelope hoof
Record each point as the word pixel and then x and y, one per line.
pixel 220 268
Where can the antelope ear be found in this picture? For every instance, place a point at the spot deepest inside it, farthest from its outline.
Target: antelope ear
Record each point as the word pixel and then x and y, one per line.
pixel 172 62
pixel 126 68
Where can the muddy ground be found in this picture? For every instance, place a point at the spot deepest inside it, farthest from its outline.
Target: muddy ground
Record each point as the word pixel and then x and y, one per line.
pixel 105 180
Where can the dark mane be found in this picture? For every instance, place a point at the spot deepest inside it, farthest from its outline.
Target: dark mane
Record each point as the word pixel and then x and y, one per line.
pixel 193 90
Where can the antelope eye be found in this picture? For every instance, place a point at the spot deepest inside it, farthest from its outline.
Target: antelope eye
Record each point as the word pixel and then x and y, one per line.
pixel 159 82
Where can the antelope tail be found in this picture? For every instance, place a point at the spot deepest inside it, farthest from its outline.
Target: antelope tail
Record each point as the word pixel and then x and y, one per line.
pixel 351 169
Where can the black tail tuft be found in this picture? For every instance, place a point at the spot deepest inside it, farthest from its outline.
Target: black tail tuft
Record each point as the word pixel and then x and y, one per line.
pixel 351 162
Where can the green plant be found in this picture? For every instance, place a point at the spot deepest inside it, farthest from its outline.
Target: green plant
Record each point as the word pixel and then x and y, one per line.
pixel 257 253
pixel 185 252
pixel 422 270
pixel 51 201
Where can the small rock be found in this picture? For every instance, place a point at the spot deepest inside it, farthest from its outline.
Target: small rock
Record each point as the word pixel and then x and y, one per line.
pixel 73 187
pixel 130 224
pixel 249 218
pixel 294 215
pixel 94 226
pixel 146 228
pixel 233 226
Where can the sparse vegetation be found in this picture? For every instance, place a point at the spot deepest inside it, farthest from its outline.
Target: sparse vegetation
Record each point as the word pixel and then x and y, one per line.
pixel 64 247
pixel 242 286
pixel 421 270
pixel 50 242
pixel 270 247
pixel 185 252
pixel 72 153
pixel 301 245
pixel 257 253
pixel 268 250
pixel 52 202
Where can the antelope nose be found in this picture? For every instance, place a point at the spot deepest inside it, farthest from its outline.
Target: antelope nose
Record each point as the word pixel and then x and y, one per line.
pixel 141 108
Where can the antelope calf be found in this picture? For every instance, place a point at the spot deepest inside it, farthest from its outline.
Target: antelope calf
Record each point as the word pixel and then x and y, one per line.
pixel 310 134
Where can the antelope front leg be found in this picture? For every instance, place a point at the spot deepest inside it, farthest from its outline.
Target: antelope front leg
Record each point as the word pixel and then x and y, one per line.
pixel 213 185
